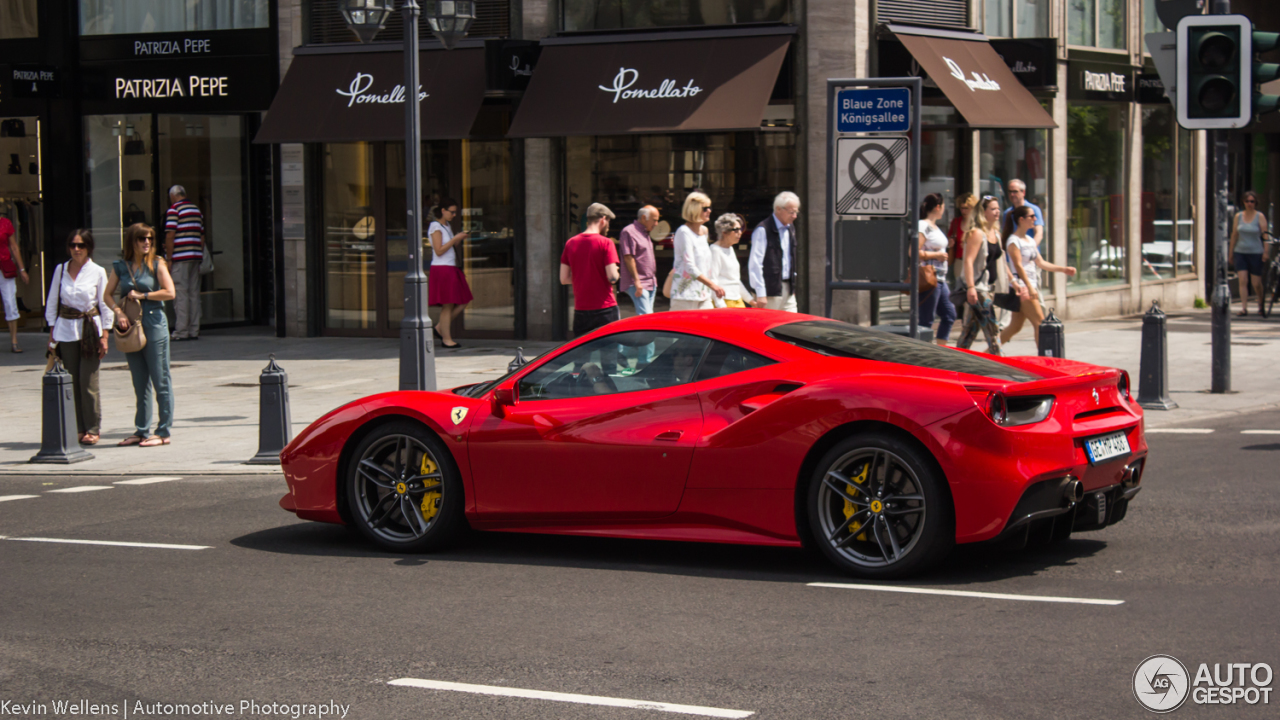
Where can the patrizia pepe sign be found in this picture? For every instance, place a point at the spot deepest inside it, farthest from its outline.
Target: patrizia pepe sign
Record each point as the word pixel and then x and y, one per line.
pixel 627 77
pixel 358 92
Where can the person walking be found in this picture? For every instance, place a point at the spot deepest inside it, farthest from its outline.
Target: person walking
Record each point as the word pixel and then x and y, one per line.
pixel 726 271
pixel 979 269
pixel 143 276
pixel 12 266
pixel 1246 250
pixel 1017 199
pixel 590 264
pixel 1026 262
pixel 79 318
pixel 184 247
pixel 693 288
pixel 774 260
pixel 639 266
pixel 446 284
pixel 933 252
pixel 955 232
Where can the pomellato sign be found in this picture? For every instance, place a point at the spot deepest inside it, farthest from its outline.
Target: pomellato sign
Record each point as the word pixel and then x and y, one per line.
pixel 358 92
pixel 627 77
pixel 977 82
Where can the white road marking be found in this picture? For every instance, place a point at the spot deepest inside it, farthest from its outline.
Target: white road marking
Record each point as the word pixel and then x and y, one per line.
pixel 344 383
pixel 572 698
pixel 80 489
pixel 3 498
pixel 1180 431
pixel 162 546
pixel 969 593
pixel 145 481
pixel 1260 432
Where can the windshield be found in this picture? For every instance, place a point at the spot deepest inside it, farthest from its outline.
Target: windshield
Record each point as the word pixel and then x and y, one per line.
pixel 838 339
pixel 479 389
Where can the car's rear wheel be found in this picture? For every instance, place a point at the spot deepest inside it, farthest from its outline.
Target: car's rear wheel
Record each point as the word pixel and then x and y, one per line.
pixel 878 508
pixel 403 489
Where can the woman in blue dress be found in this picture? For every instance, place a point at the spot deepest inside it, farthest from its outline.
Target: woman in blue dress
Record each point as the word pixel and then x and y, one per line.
pixel 144 277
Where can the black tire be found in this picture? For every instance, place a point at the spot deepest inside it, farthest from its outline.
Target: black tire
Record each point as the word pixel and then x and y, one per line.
pixel 892 529
pixel 403 489
pixel 1270 289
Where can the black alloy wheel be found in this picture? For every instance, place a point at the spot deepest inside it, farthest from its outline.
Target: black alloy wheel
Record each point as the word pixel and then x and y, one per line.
pixel 404 490
pixel 1270 287
pixel 878 509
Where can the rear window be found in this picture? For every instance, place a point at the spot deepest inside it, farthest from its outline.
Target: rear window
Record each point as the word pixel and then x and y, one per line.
pixel 837 339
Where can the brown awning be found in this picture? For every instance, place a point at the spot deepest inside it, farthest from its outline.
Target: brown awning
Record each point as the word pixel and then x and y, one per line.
pixel 977 82
pixel 360 96
pixel 660 85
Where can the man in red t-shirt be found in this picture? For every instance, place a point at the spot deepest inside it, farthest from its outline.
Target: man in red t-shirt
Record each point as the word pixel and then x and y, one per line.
pixel 590 264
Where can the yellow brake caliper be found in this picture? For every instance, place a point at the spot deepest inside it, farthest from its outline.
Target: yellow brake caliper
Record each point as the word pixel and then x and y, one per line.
pixel 431 500
pixel 855 490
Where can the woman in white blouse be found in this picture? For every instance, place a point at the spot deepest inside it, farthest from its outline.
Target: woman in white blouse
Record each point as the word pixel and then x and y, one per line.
pixel 692 287
pixel 80 319
pixel 726 271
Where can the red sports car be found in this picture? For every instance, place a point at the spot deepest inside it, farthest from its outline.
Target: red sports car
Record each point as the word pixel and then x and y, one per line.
pixel 754 427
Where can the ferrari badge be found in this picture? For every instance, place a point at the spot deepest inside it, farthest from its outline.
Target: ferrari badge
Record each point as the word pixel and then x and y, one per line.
pixel 458 414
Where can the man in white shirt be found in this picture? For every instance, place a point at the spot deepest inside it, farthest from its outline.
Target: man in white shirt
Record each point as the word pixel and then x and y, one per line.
pixel 772 266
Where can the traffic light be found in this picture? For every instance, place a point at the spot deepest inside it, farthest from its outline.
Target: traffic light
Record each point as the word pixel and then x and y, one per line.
pixel 1215 72
pixel 1264 72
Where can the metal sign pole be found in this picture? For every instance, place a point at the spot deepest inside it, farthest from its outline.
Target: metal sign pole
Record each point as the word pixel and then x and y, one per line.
pixel 913 208
pixel 831 202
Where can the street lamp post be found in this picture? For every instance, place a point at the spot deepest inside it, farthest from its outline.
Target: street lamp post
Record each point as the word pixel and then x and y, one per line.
pixel 449 20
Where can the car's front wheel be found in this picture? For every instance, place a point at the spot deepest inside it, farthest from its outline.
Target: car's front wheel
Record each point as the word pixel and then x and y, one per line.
pixel 878 508
pixel 403 489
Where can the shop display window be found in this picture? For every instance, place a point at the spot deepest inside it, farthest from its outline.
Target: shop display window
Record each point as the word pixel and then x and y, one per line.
pixel 1016 18
pixel 348 237
pixel 18 19
pixel 120 17
pixel 1168 249
pixel 1097 23
pixel 1007 155
pixel 1096 237
pixel 618 14
pixel 21 201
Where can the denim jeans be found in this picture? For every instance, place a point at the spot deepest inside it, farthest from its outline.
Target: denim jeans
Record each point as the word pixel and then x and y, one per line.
pixel 643 300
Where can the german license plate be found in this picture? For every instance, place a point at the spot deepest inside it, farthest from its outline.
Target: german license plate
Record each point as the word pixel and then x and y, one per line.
pixel 1106 447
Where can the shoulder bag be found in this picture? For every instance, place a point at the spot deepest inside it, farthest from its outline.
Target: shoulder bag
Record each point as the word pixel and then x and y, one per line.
pixel 133 339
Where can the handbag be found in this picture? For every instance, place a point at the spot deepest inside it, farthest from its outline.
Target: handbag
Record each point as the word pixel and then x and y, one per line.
pixel 7 266
pixel 134 147
pixel 666 286
pixel 1007 301
pixel 206 260
pixel 133 339
pixel 927 280
pixel 134 215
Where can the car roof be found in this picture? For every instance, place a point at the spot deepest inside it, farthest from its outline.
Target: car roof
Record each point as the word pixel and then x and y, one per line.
pixel 740 326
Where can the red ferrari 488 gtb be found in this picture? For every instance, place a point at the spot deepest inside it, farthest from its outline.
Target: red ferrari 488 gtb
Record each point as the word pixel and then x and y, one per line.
pixel 754 427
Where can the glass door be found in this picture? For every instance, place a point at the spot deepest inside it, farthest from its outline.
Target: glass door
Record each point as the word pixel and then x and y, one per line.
pixel 351 238
pixel 120 179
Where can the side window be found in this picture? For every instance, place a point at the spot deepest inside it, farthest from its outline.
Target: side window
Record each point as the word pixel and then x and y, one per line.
pixel 725 359
pixel 625 362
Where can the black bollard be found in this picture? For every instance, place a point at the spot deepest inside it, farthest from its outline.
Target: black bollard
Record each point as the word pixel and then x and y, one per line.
pixel 58 442
pixel 518 362
pixel 274 428
pixel 1052 343
pixel 1153 368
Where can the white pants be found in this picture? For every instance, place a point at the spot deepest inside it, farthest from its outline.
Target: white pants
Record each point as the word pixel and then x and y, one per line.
pixel 691 304
pixel 9 291
pixel 186 300
pixel 786 301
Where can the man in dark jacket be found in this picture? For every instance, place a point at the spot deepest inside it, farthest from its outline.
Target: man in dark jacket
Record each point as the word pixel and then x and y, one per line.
pixel 774 262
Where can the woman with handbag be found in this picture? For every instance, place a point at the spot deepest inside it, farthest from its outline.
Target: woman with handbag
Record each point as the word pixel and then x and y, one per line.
pixel 933 258
pixel 80 319
pixel 979 270
pixel 693 288
pixel 142 330
pixel 1025 262
pixel 11 267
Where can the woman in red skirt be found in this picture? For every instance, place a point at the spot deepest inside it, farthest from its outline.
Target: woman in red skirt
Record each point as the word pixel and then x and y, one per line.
pixel 447 284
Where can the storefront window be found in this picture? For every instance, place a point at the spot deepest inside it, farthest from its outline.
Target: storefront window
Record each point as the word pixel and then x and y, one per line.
pixel 1016 18
pixel 1096 170
pixel 1168 249
pixel 349 237
pixel 616 14
pixel 120 17
pixel 18 19
pixel 120 182
pixel 741 172
pixel 1150 20
pixel 20 197
pixel 1096 23
pixel 1007 155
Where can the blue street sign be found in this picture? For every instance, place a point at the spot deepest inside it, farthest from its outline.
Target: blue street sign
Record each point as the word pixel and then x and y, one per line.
pixel 873 110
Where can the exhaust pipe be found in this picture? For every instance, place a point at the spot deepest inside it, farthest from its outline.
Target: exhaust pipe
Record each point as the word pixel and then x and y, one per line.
pixel 1073 491
pixel 1132 475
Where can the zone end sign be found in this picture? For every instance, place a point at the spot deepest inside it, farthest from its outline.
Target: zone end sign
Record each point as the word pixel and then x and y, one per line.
pixel 862 110
pixel 871 175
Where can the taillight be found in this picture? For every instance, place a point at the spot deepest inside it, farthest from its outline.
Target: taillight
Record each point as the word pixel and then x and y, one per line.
pixel 1012 411
pixel 1123 385
pixel 997 409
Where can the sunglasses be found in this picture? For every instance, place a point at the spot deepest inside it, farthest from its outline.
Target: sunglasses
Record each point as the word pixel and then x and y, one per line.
pixel 78 246
pixel 1250 200
pixel 145 237
pixel 734 229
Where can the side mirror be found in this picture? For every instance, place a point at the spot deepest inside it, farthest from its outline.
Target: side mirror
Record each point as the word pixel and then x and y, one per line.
pixel 504 396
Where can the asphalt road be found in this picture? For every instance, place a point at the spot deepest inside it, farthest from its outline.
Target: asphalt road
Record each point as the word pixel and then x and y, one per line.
pixel 278 610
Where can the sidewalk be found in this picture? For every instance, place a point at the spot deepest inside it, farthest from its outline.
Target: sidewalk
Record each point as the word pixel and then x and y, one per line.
pixel 216 386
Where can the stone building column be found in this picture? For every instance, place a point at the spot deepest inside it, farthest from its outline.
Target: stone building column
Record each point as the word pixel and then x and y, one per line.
pixel 291 173
pixel 539 18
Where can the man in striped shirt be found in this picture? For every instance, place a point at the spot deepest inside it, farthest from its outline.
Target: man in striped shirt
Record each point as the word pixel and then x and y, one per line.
pixel 184 246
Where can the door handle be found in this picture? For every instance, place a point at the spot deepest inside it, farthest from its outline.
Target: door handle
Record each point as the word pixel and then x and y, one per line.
pixel 670 435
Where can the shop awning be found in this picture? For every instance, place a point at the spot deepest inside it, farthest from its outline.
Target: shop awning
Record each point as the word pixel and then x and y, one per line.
pixel 974 78
pixel 664 82
pixel 348 97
